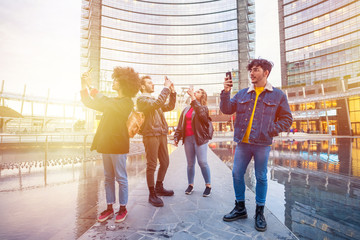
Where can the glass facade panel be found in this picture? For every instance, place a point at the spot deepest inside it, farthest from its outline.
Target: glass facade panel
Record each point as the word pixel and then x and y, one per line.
pixel 180 60
pixel 194 43
pixel 163 39
pixel 134 47
pixel 170 7
pixel 295 6
pixel 322 40
pixel 337 33
pixel 354 108
pixel 168 18
pixel 165 28
pixel 316 10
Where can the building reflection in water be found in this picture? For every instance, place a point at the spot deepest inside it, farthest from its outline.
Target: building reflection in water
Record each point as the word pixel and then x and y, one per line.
pixel 320 181
pixel 57 200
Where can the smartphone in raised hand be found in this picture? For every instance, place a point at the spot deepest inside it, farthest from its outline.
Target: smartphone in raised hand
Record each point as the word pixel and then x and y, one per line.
pixel 229 76
pixel 88 80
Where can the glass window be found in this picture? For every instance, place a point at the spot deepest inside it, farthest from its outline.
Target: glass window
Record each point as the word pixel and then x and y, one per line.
pixel 189 41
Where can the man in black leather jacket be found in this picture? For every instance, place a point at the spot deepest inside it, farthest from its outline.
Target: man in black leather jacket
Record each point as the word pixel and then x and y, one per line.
pixel 154 131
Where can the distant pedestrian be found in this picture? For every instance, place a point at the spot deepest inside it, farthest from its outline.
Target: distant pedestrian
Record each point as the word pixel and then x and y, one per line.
pixel 262 112
pixel 193 130
pixel 112 138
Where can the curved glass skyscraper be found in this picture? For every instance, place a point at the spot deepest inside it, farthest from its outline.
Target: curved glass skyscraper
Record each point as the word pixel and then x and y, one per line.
pixel 193 42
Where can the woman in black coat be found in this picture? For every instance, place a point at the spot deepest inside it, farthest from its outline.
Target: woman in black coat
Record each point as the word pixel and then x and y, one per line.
pixel 194 129
pixel 111 137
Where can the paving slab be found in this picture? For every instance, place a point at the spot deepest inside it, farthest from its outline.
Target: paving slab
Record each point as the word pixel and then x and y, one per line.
pixel 188 216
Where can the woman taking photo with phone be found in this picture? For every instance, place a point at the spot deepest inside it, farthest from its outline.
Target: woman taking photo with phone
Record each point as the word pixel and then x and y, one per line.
pixel 112 138
pixel 194 129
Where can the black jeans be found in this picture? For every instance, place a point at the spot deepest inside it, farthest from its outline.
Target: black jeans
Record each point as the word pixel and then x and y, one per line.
pixel 156 148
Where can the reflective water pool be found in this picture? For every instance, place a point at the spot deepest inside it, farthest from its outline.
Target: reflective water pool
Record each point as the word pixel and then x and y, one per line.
pixel 59 200
pixel 314 186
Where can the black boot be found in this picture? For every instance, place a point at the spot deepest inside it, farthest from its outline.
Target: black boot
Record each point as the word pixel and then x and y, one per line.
pixel 154 199
pixel 238 212
pixel 260 222
pixel 161 191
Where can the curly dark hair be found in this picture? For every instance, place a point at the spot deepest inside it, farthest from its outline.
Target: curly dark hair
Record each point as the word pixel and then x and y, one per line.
pixel 263 63
pixel 129 80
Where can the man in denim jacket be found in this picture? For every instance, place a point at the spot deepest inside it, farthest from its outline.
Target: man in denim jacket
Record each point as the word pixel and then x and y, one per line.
pixel 262 112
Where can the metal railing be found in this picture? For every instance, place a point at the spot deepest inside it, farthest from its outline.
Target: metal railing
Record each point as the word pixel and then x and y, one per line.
pixel 44 138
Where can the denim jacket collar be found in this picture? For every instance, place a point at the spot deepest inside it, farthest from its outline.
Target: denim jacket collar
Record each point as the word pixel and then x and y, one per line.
pixel 268 87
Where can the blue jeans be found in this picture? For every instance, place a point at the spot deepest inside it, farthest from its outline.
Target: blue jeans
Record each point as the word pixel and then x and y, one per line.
pixel 115 169
pixel 193 150
pixel 243 154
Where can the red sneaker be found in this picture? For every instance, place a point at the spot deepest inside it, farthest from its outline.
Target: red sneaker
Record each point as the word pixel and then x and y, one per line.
pixel 121 216
pixel 105 215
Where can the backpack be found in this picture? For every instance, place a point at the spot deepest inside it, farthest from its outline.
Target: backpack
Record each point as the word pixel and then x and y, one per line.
pixel 134 122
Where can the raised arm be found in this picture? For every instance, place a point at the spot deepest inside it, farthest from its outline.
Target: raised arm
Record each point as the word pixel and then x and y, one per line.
pixel 99 102
pixel 227 105
pixel 85 97
pixel 171 104
pixel 145 104
pixel 121 107
pixel 90 102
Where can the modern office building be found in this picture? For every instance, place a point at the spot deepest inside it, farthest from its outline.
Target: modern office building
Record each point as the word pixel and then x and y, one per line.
pixel 320 62
pixel 193 42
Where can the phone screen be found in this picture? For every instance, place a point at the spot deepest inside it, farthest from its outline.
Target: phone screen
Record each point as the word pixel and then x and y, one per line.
pixel 228 75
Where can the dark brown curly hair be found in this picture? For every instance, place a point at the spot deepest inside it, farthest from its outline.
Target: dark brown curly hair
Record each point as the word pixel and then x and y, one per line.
pixel 129 80
pixel 263 63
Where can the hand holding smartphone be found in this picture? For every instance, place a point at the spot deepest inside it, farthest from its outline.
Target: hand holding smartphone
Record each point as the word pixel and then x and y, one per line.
pixel 86 79
pixel 190 91
pixel 167 82
pixel 229 77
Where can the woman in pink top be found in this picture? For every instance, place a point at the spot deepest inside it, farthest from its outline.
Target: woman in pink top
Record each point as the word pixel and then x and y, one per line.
pixel 193 129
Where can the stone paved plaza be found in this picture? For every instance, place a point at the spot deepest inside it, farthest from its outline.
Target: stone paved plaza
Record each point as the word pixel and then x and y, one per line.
pixel 188 216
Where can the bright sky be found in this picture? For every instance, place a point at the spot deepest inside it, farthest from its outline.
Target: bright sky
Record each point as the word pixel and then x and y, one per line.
pixel 267 36
pixel 40 45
